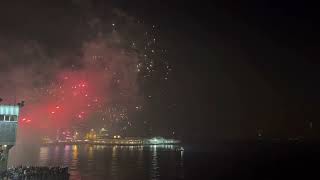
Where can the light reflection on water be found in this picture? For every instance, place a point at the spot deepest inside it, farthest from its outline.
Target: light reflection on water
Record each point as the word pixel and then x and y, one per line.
pixel 106 162
pixel 44 154
pixel 154 164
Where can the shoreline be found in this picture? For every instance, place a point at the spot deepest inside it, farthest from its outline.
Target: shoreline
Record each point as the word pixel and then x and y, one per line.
pixel 111 144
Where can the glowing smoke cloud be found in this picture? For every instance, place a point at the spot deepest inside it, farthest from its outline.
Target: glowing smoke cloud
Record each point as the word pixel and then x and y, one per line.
pixel 66 89
pixel 105 75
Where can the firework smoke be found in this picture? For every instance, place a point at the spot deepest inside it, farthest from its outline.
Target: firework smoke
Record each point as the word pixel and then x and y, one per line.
pixel 100 80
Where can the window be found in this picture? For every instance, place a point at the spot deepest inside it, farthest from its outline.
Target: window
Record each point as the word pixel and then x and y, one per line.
pixel 6 118
pixel 1 117
pixel 13 118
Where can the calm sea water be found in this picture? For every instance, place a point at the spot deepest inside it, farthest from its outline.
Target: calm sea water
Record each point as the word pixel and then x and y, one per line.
pixel 105 162
pixel 262 161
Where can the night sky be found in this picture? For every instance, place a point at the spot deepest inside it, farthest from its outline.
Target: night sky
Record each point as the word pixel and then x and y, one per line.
pixel 218 70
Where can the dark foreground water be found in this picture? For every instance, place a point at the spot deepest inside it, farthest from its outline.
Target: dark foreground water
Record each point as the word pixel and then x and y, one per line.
pixel 106 162
pixel 220 161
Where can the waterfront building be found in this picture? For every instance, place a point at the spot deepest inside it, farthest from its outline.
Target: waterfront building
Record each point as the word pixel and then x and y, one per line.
pixel 91 135
pixel 9 115
pixel 103 134
pixel 160 140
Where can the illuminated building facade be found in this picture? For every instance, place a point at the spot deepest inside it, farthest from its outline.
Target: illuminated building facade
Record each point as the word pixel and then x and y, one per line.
pixel 9 115
pixel 92 135
pixel 103 134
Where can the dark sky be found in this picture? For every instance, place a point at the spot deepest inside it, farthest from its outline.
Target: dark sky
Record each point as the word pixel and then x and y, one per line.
pixel 241 66
pixel 238 67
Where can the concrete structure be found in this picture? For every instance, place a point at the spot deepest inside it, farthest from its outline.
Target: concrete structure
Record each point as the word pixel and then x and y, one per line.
pixel 9 115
